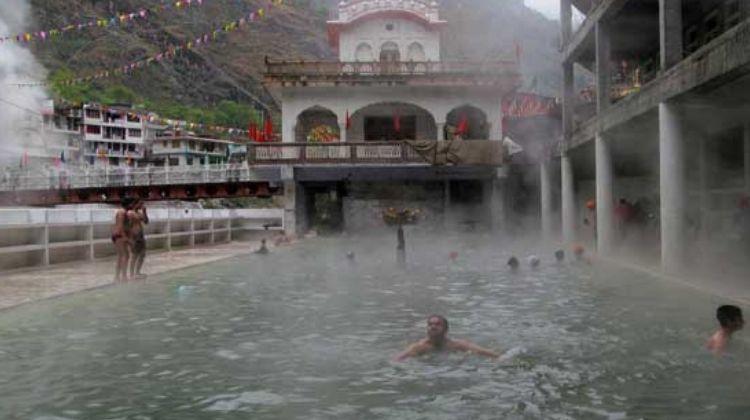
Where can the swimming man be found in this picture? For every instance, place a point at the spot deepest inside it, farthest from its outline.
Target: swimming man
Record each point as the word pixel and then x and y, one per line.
pixel 731 320
pixel 437 340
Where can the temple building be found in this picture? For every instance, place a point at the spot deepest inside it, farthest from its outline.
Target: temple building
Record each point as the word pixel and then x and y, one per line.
pixel 355 132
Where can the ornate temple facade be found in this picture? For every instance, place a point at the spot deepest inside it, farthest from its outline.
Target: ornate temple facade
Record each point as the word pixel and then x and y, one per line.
pixel 353 119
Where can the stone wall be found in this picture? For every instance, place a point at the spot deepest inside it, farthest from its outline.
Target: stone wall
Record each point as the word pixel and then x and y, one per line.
pixel 365 202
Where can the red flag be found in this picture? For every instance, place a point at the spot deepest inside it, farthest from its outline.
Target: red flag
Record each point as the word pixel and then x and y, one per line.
pixel 253 132
pixel 397 122
pixel 348 123
pixel 463 126
pixel 268 129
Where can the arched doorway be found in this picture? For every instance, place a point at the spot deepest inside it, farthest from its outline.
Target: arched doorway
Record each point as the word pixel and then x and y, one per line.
pixel 386 121
pixel 467 122
pixel 317 125
pixel 389 53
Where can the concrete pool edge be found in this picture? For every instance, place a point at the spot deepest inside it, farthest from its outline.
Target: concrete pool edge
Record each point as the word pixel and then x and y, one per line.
pixel 27 286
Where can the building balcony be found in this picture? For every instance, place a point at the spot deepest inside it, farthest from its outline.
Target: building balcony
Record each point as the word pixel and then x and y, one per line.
pixel 452 73
pixel 461 152
pixel 138 154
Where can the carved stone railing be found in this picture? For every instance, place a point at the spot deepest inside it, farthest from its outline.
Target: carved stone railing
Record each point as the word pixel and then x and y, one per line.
pixel 406 68
pixel 393 152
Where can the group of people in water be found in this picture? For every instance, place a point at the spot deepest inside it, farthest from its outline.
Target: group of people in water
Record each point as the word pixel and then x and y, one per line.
pixel 129 239
pixel 730 320
pixel 729 316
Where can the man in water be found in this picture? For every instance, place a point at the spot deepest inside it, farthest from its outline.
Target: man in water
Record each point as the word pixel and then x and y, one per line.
pixel 137 217
pixel 437 340
pixel 121 239
pixel 559 255
pixel 731 320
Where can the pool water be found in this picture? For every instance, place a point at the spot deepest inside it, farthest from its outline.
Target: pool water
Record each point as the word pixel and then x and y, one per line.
pixel 304 334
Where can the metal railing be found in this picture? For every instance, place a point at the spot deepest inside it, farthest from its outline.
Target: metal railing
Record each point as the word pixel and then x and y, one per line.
pixel 394 152
pixel 77 178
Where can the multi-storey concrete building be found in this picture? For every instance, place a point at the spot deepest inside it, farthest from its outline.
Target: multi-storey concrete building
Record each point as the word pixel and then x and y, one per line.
pixel 664 124
pixel 346 123
pixel 115 135
pixel 63 128
pixel 188 150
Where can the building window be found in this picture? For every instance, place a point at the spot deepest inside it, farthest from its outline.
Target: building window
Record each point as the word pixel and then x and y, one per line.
pixel 134 118
pixel 389 27
pixel 174 161
pixel 192 145
pixel 165 144
pixel 363 52
pixel 134 132
pixel 93 113
pixel 415 52
pixel 175 144
pixel 93 129
pixel 189 160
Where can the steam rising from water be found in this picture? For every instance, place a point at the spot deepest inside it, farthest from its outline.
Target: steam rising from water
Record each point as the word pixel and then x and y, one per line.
pixel 20 123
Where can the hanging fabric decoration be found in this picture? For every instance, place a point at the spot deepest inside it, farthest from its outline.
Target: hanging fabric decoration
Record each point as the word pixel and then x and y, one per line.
pixel 169 53
pixel 118 20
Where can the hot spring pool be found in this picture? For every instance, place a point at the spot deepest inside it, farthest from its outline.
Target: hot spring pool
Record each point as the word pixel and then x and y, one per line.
pixel 302 334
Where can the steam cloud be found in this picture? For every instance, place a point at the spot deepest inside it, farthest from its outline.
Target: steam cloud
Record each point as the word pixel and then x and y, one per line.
pixel 20 123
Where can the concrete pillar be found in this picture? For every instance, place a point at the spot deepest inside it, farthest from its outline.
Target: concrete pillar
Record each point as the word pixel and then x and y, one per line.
pixel 747 157
pixel 212 237
pixel 342 131
pixel 295 208
pixel 494 199
pixel 568 101
pixel 603 71
pixel 446 202
pixel 440 131
pixel 605 231
pixel 90 238
pixel 672 187
pixel 45 239
pixel 546 199
pixel 169 231
pixel 566 21
pixel 568 200
pixel 192 232
pixel 670 32
pixel 703 202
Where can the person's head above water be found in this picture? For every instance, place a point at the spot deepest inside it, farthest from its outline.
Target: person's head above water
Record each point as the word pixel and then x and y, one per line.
pixel 533 261
pixel 578 250
pixel 559 255
pixel 730 317
pixel 350 255
pixel 513 263
pixel 437 328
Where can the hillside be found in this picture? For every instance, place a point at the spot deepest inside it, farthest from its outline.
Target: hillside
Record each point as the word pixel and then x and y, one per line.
pixel 231 68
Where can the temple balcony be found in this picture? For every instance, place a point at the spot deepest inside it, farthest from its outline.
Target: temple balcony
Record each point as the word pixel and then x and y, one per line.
pixel 441 73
